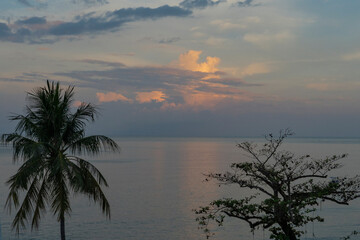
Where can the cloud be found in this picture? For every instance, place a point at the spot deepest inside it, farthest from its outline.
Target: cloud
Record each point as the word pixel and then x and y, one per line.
pixel 27 30
pixel 111 97
pixel 104 63
pixel 21 33
pixel 36 4
pixel 325 85
pixel 4 30
pixel 235 24
pixel 77 103
pixel 190 4
pixel 14 79
pixel 351 56
pixel 253 19
pixel 132 78
pixel 169 40
pixel 256 68
pixel 186 84
pixel 266 39
pixel 318 86
pixel 43 3
pixel 246 3
pixel 91 2
pixel 25 2
pixel 43 48
pixel 144 97
pixel 90 23
pixel 31 20
pixel 189 61
pixel 213 41
pixel 227 24
pixel 207 100
pixel 331 86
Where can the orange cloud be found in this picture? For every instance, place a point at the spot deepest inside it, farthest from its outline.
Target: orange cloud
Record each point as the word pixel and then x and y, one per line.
pixel 211 96
pixel 144 97
pixel 111 97
pixel 204 85
pixel 77 103
pixel 189 61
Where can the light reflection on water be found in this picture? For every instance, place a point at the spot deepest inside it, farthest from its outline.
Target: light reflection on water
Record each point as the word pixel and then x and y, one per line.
pixel 156 182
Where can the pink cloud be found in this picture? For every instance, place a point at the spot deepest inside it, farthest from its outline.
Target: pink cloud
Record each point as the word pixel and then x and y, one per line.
pixel 157 96
pixel 111 97
pixel 77 103
pixel 186 83
pixel 210 100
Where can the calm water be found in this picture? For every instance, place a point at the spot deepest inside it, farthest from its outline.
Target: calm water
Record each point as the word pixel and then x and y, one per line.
pixel 156 182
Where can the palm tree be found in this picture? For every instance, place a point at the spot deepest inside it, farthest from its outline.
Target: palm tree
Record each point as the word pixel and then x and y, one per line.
pixel 46 139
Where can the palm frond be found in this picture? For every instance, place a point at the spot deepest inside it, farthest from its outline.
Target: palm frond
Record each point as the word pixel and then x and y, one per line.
pixel 43 137
pixel 33 168
pixel 60 203
pixel 93 145
pixel 87 166
pixel 23 147
pixel 74 126
pixel 83 181
pixel 27 206
pixel 57 180
pixel 25 124
pixel 40 204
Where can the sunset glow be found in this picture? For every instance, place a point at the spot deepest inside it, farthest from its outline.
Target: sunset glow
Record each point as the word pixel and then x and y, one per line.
pixel 157 96
pixel 267 63
pixel 111 97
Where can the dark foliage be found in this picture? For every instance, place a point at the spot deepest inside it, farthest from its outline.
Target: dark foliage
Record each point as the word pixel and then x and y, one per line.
pixel 45 140
pixel 287 189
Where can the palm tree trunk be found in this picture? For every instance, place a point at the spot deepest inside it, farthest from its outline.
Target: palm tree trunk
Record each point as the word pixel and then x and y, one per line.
pixel 62 227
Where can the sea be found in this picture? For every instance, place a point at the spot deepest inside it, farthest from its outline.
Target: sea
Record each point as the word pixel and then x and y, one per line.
pixel 155 183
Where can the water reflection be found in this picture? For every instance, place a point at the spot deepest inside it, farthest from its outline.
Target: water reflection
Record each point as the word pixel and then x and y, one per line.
pixel 155 183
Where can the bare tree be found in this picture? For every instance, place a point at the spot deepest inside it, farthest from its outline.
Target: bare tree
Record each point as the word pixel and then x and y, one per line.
pixel 287 189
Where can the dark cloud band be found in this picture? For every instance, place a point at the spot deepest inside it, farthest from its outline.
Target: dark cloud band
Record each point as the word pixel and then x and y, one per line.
pixel 91 23
pixel 31 20
pixel 247 3
pixel 190 4
pixel 112 20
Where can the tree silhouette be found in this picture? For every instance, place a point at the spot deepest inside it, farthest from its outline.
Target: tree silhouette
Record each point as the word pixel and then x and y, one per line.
pixel 287 189
pixel 47 139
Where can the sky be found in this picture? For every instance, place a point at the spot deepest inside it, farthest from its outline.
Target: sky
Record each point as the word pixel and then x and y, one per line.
pixel 189 68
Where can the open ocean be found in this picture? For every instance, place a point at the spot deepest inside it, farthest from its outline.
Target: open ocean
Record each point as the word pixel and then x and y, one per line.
pixel 156 182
